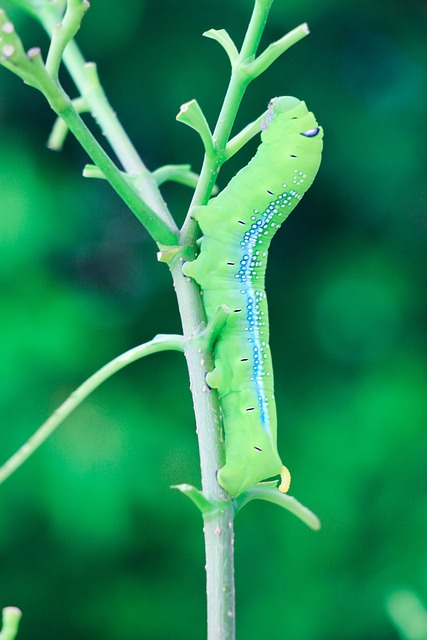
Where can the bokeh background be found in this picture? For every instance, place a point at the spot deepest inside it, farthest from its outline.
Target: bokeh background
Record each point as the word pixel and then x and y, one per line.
pixel 93 542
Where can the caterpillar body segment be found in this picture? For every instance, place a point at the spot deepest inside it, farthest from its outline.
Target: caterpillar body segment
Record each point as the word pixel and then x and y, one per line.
pixel 238 226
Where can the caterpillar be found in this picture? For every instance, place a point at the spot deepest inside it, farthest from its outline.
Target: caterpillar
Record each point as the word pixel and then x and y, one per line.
pixel 237 227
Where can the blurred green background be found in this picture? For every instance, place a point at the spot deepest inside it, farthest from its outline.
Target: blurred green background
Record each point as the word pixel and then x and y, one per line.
pixel 93 543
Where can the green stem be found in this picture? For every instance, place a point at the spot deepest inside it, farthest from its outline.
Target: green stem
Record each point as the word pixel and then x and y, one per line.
pixel 30 67
pixel 176 173
pixel 275 49
pixel 159 343
pixel 63 33
pixel 235 144
pixel 86 80
pixel 60 129
pixel 255 29
pixel 158 228
pixel 218 527
pixel 239 81
pixel 270 494
pixel 10 623
pixel 408 614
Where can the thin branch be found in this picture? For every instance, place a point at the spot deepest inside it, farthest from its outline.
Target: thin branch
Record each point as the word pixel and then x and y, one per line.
pixel 64 32
pixel 30 67
pixel 269 492
pixel 235 144
pixel 85 77
pixel 244 69
pixel 275 50
pixel 59 130
pixel 159 343
pixel 10 622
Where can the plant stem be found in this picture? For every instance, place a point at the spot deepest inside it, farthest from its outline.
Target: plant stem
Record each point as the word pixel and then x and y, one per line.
pixel 218 525
pixel 238 84
pixel 218 528
pixel 86 80
pixel 11 618
pixel 158 228
pixel 159 343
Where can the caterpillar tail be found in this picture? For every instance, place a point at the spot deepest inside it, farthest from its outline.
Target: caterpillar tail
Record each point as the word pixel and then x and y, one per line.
pixel 285 476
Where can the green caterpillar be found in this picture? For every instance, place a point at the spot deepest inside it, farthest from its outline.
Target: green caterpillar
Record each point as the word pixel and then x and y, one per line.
pixel 237 228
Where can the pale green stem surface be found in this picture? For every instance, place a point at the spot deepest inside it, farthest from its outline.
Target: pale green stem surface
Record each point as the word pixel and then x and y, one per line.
pixel 10 623
pixel 244 69
pixel 276 49
pixel 271 494
pixel 235 144
pixel 30 67
pixel 159 343
pixel 64 32
pixel 408 614
pixel 176 173
pixel 158 228
pixel 59 130
pixel 86 80
pixel 218 527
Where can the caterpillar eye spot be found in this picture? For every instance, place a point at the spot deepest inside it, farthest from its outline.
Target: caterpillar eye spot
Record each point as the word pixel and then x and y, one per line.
pixel 258 448
pixel 311 132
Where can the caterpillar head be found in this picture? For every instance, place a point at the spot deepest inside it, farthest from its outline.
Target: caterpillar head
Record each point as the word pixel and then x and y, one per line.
pixel 286 117
pixel 277 106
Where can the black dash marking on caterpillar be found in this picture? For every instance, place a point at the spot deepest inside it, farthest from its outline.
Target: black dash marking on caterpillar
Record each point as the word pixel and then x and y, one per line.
pixel 241 222
pixel 250 409
pixel 258 448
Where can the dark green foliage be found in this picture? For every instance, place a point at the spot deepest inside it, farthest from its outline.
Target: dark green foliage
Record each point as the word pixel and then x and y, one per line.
pixel 92 541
